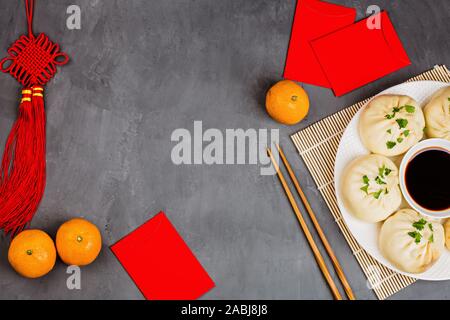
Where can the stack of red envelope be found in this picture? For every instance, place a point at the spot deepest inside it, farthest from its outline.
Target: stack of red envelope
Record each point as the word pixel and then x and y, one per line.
pixel 328 49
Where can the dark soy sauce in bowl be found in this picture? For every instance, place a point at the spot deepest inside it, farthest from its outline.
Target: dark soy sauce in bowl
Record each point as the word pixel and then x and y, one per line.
pixel 427 179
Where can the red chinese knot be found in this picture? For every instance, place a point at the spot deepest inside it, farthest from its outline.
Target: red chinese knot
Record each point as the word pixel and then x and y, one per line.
pixel 33 60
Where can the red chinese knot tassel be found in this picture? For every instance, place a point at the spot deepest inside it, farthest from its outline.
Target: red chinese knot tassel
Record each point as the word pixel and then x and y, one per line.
pixel 32 61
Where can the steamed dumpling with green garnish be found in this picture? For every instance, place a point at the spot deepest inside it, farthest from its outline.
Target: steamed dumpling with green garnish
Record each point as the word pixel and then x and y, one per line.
pixel 391 124
pixel 410 241
pixel 437 115
pixel 370 188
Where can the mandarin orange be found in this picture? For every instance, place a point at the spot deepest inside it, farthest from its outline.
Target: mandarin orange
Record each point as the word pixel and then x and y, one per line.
pixel 287 102
pixel 32 253
pixel 78 242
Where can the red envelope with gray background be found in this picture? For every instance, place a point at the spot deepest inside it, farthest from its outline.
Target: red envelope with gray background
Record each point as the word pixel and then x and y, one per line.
pixel 360 53
pixel 160 263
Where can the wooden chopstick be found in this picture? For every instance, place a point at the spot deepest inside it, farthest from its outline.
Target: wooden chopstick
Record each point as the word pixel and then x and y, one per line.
pixel 317 255
pixel 326 244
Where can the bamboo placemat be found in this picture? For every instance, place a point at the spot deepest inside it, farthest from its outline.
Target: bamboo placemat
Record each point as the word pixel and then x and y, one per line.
pixel 317 145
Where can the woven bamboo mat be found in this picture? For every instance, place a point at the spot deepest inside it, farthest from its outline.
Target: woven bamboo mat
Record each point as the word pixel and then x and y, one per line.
pixel 317 145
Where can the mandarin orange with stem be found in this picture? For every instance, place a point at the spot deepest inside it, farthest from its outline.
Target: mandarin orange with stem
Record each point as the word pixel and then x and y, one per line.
pixel 78 242
pixel 287 102
pixel 32 253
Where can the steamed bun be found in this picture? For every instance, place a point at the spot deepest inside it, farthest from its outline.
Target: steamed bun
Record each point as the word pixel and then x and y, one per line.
pixel 410 241
pixel 437 115
pixel 370 189
pixel 391 124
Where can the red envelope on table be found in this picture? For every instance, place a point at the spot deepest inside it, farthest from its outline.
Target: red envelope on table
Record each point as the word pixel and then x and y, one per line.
pixel 312 20
pixel 356 55
pixel 160 263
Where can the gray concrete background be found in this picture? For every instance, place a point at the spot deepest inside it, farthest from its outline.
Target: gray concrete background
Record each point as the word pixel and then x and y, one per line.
pixel 141 69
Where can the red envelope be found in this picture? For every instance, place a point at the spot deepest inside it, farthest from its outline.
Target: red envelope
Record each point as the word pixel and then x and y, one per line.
pixel 312 20
pixel 356 55
pixel 160 263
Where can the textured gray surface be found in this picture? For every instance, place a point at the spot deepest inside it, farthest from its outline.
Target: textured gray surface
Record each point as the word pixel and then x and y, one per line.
pixel 141 69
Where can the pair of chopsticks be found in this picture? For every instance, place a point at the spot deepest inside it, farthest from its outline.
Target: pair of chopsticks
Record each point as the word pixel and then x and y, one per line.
pixel 301 220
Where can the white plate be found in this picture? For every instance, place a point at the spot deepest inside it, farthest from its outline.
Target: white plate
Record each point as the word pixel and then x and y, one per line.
pixel 352 147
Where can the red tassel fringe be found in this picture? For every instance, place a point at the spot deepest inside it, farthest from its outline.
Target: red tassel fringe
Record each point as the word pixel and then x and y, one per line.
pixel 22 179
